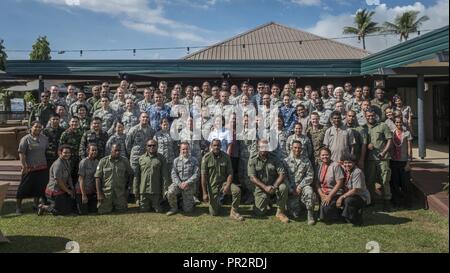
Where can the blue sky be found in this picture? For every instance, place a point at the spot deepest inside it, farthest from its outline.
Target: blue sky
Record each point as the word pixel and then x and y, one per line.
pixel 112 24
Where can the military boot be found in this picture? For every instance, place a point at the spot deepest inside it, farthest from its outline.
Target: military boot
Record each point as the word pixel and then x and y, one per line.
pixel 282 217
pixel 310 217
pixel 236 216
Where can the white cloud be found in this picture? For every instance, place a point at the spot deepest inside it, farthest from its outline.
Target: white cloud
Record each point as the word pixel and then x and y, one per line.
pixel 373 2
pixel 141 15
pixel 332 25
pixel 307 2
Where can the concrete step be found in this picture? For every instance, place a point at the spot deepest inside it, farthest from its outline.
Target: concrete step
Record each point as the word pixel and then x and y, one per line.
pixel 9 168
pixel 10 176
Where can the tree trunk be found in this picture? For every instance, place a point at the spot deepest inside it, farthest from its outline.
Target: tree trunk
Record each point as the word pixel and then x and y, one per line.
pixel 364 42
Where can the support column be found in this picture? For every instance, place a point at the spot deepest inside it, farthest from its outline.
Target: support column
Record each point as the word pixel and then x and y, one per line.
pixel 420 115
pixel 41 86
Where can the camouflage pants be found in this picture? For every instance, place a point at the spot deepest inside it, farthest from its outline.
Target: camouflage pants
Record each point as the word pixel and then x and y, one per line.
pixel 378 172
pixel 134 163
pixel 113 200
pixel 308 197
pixel 187 194
pixel 243 176
pixel 148 201
pixel 214 199
pixel 262 199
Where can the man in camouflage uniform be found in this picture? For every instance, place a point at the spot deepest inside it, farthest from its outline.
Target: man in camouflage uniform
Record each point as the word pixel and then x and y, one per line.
pixel 153 179
pixel 316 133
pixel 107 115
pixel 43 111
pixel 216 177
pixel 378 173
pixel 71 97
pixel 55 99
pixel 112 176
pixel 72 137
pixel 81 101
pixel 53 132
pixel 94 136
pixel 299 178
pixel 95 95
pixel 185 174
pixel 267 173
pixel 307 150
pixel 130 116
pixel 144 104
pixel 135 144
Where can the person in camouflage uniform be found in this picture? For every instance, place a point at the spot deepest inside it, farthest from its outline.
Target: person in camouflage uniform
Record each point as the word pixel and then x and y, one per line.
pixel 107 115
pixel 55 99
pixel 299 178
pixel 85 120
pixel 316 133
pixel 144 104
pixel 153 179
pixel 53 132
pixel 166 145
pixel 130 117
pixel 185 175
pixel 63 117
pixel 73 109
pixel 72 137
pixel 94 136
pixel 95 95
pixel 216 177
pixel 43 111
pixel 118 138
pixel 135 145
pixel 307 150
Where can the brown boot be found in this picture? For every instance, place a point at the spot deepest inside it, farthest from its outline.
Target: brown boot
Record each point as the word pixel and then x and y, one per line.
pixel 236 216
pixel 282 217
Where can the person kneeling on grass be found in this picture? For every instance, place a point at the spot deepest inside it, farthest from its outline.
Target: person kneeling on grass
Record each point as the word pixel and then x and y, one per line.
pixel 330 181
pixel 217 177
pixel 59 192
pixel 267 173
pixel 185 174
pixel 356 195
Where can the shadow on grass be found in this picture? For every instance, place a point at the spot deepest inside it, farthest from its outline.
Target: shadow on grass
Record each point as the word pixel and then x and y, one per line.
pixel 376 218
pixel 34 244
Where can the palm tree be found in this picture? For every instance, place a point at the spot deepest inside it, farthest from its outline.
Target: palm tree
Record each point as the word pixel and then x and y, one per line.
pixel 405 23
pixel 364 25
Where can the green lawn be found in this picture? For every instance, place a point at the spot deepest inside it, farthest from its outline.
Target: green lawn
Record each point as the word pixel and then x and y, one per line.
pixel 414 230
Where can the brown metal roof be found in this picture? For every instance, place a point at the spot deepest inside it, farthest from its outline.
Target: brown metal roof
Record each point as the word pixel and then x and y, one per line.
pixel 273 41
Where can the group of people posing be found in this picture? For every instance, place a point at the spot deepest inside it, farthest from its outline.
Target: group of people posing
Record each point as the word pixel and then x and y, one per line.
pixel 298 147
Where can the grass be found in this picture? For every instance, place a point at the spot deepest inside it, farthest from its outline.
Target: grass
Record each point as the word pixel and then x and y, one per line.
pixel 414 230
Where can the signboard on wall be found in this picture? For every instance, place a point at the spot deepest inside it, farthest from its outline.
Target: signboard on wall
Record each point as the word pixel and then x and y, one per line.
pixel 17 105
